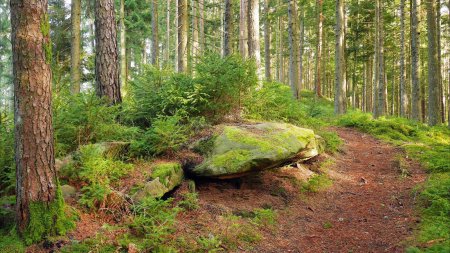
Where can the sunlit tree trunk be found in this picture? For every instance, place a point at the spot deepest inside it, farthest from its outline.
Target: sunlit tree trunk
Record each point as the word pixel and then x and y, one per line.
pixel 403 93
pixel 106 53
pixel 267 56
pixel 301 49
pixel 415 81
pixel 37 197
pixel 167 56
pixel 155 39
pixel 243 33
pixel 195 34
pixel 123 49
pixel 340 103
pixel 75 71
pixel 380 102
pixel 227 28
pixel 254 48
pixel 202 26
pixel 434 116
pixel 183 27
pixel 293 75
pixel 319 43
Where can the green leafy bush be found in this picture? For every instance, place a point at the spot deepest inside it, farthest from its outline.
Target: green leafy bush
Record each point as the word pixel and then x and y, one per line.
pixel 7 171
pixel 84 119
pixel 264 217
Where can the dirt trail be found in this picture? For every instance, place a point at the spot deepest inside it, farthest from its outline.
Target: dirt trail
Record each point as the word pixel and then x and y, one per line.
pixel 369 208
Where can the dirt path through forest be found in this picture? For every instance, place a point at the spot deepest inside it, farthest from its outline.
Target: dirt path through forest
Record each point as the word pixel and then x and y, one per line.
pixel 369 207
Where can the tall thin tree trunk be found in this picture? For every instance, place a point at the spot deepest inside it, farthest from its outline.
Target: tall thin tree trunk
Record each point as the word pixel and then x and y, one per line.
pixel 434 116
pixel 243 33
pixel 75 71
pixel 123 49
pixel 195 43
pixel 415 81
pixel 254 48
pixel 319 43
pixel 301 49
pixel 183 27
pixel 403 94
pixel 106 53
pixel 380 103
pixel 155 35
pixel 227 28
pixel 202 26
pixel 293 75
pixel 267 41
pixel 167 56
pixel 37 197
pixel 340 103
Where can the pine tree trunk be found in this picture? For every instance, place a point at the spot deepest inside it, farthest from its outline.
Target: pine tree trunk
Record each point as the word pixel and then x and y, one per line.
pixel 301 49
pixel 227 29
pixel 75 71
pixel 319 43
pixel 243 33
pixel 403 94
pixel 37 198
pixel 202 26
pixel 254 48
pixel 183 27
pixel 293 82
pixel 123 49
pixel 434 116
pixel 195 36
pixel 380 102
pixel 106 53
pixel 155 35
pixel 267 57
pixel 340 103
pixel 167 56
pixel 415 81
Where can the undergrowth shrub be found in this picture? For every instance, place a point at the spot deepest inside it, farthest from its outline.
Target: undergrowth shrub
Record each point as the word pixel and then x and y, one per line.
pixel 7 171
pixel 84 119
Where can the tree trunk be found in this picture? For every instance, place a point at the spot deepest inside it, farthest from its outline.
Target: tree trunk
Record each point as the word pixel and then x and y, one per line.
pixel 202 26
pixel 267 41
pixel 340 103
pixel 319 43
pixel 380 103
pixel 75 73
pixel 434 116
pixel 227 29
pixel 293 75
pixel 195 43
pixel 183 27
pixel 243 33
pixel 155 39
pixel 39 204
pixel 403 93
pixel 167 56
pixel 106 58
pixel 415 81
pixel 123 48
pixel 301 49
pixel 254 49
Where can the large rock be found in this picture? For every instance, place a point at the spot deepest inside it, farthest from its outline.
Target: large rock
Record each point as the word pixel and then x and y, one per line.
pixel 239 149
pixel 165 177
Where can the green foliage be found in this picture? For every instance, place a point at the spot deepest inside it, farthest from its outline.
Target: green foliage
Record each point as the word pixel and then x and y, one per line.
pixel 189 201
pixel 264 217
pixel 316 183
pixel 91 166
pixel 7 171
pixel 10 242
pixel 84 119
pixel 98 244
pixel 167 135
pixel 154 222
pixel 209 244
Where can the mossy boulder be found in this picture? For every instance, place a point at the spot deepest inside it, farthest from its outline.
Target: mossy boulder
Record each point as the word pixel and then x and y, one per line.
pixel 239 149
pixel 165 176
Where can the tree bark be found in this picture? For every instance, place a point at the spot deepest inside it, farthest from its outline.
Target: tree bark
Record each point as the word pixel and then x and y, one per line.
pixel 202 26
pixel 243 33
pixel 403 93
pixel 319 43
pixel 75 73
pixel 155 35
pixel 293 74
pixel 380 102
pixel 340 103
pixel 183 27
pixel 227 29
pixel 167 56
pixel 434 116
pixel 254 48
pixel 123 49
pixel 267 56
pixel 415 81
pixel 37 198
pixel 301 49
pixel 106 53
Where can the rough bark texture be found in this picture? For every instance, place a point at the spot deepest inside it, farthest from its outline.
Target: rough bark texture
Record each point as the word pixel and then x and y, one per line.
pixel 380 102
pixel 155 35
pixel 183 27
pixel 319 43
pixel 75 74
pixel 243 46
pixel 201 9
pixel 254 48
pixel 267 56
pixel 36 183
pixel 415 81
pixel 434 116
pixel 301 49
pixel 293 74
pixel 340 103
pixel 227 29
pixel 403 93
pixel 195 36
pixel 106 53
pixel 167 55
pixel 123 50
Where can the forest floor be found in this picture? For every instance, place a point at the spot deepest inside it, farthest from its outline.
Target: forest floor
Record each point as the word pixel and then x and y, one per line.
pixel 368 208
